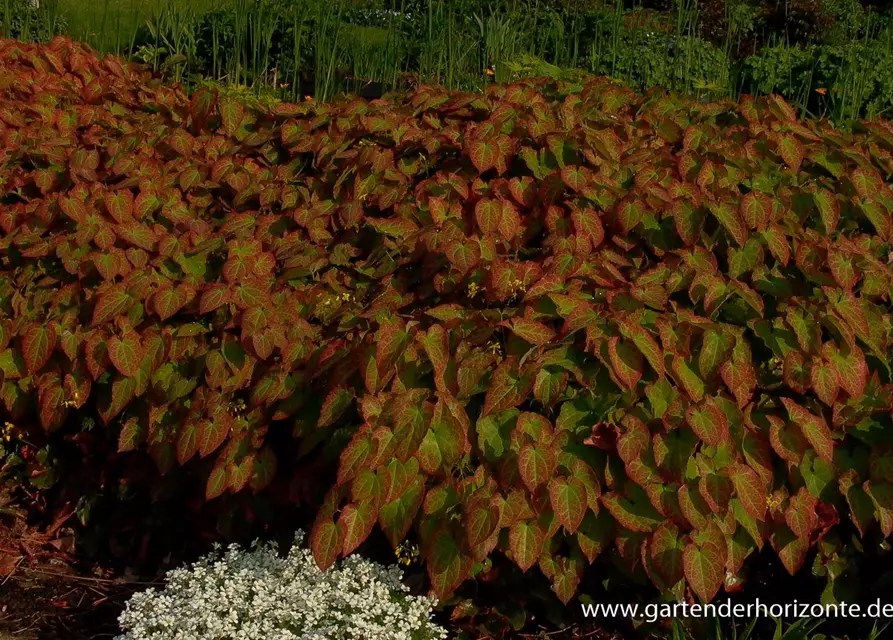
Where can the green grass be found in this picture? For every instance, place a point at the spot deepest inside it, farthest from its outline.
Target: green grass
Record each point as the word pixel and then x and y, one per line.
pixel 108 25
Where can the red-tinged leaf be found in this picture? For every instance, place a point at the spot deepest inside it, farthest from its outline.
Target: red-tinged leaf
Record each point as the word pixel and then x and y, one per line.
pixel 353 459
pixel 526 541
pixel 509 221
pixel 464 256
pixel 38 343
pixel 447 568
pixel 51 398
pixel 626 361
pixel 481 522
pixel 568 498
pixel 488 213
pixel 730 220
pixel 850 309
pixel 791 151
pixel 851 369
pixel 640 516
pixel 436 344
pixel 355 524
pixel 652 351
pixel 548 386
pixel 325 544
pixel 829 209
pixel 881 494
pixel 756 210
pixel 750 489
pixel 778 244
pixel 843 269
pixel 825 382
pixel 133 434
pixel 666 549
pixel 796 371
pixel 813 427
pixel 216 484
pixel 588 224
pixel 232 113
pixel 202 104
pixel 534 332
pixel 137 234
pixel 187 443
pixel 791 550
pixel 394 227
pixel 866 182
pixel 716 348
pixel 741 380
pixel 708 422
pixel 484 154
pixel 506 390
pixel 396 517
pixel 787 439
pixel 536 465
pixel 687 378
pixel 334 405
pixel 629 214
pixel 576 178
pixel 126 353
pixel 688 220
pixel 214 297
pixel 703 567
pixel 119 204
pixel 114 302
pixel 800 515
pixel 211 434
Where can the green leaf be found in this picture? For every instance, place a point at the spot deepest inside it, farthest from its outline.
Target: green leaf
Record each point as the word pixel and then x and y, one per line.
pixel 396 517
pixel 635 516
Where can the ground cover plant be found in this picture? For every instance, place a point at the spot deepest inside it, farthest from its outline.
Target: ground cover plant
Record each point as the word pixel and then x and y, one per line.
pixel 549 323
pixel 255 594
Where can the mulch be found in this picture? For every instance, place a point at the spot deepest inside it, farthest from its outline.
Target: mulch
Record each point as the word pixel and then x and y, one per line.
pixel 43 591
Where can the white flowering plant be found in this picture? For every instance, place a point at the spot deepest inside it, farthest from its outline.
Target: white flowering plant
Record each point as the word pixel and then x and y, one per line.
pixel 255 594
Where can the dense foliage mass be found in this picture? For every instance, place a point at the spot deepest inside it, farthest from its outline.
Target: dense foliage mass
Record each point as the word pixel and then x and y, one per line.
pixel 553 320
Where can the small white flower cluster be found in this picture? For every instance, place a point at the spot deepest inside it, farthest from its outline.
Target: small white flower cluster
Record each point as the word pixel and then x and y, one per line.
pixel 257 595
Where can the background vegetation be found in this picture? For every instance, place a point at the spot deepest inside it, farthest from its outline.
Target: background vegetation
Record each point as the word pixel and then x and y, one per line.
pixel 828 57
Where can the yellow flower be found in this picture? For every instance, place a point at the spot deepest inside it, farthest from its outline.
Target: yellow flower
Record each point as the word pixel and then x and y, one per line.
pixel 490 71
pixel 473 289
pixel 822 91
pixel 406 553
